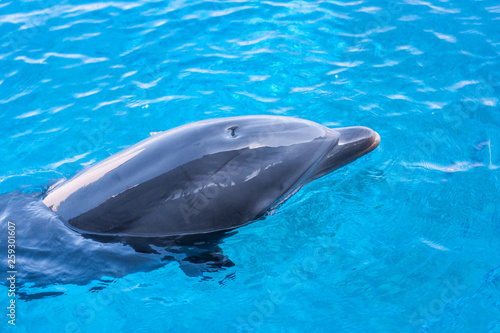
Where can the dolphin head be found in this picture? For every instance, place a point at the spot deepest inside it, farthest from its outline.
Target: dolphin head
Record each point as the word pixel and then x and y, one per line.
pixel 353 142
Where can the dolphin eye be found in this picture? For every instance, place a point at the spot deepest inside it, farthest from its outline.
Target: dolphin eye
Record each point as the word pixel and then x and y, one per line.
pixel 232 131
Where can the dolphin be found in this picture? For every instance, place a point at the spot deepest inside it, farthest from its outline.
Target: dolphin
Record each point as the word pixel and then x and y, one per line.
pixel 204 177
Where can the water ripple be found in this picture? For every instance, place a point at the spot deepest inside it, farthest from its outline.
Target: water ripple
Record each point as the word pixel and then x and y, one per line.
pixel 85 94
pixel 448 38
pixel 461 84
pixel 435 9
pixel 259 98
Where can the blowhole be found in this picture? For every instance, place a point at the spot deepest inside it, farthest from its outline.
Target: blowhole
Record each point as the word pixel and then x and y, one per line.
pixel 232 131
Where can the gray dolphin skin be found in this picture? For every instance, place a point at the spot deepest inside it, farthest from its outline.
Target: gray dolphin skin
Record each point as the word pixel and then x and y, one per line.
pixel 204 177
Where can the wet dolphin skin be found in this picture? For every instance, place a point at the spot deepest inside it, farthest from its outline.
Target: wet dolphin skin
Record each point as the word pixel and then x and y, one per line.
pixel 206 176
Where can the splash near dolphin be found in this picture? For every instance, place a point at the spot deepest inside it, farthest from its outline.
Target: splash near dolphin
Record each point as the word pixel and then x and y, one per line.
pixel 205 177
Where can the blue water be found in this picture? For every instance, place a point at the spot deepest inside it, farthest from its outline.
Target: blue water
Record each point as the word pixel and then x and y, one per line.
pixel 405 239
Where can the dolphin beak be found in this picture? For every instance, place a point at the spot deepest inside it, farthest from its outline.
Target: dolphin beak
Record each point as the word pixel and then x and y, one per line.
pixel 353 143
pixel 357 141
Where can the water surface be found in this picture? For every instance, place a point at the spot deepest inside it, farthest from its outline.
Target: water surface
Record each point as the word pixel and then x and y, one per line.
pixel 406 239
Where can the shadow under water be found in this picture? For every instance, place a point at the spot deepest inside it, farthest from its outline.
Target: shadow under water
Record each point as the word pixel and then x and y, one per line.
pixel 48 252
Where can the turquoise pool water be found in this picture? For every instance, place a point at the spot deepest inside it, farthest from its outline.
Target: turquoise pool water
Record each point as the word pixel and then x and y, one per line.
pixel 406 239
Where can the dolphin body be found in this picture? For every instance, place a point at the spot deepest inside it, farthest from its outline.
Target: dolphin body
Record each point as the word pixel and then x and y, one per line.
pixel 205 177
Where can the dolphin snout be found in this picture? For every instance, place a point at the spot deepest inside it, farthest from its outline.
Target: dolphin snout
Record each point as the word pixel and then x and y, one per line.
pixel 353 143
pixel 358 140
